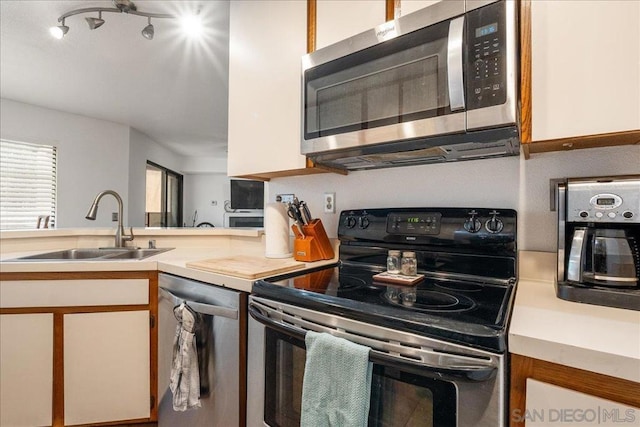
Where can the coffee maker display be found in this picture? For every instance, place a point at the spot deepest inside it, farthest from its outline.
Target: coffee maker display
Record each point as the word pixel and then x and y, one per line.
pixel 598 238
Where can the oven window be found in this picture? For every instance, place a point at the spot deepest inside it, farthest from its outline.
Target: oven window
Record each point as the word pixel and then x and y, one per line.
pixel 398 397
pixel 399 81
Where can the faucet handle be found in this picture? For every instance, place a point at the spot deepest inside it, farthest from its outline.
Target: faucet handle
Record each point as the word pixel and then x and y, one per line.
pixel 130 237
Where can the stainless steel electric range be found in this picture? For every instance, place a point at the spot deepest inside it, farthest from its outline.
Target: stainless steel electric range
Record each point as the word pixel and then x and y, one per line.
pixel 438 347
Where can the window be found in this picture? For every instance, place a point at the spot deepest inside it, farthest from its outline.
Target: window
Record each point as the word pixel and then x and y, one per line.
pixel 27 185
pixel 163 197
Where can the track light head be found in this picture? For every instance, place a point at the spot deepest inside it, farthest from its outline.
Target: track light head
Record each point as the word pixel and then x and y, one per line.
pixel 95 22
pixel 148 31
pixel 59 31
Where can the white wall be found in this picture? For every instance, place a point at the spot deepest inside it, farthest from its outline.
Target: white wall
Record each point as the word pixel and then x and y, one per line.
pixel 537 224
pixel 93 155
pixel 200 190
pixel 141 149
pixel 502 183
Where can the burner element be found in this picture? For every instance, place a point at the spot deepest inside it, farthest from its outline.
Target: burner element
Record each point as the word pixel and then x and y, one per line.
pixel 350 282
pixel 459 286
pixel 427 301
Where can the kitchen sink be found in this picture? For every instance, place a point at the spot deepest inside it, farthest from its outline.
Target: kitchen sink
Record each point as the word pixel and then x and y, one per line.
pixel 94 254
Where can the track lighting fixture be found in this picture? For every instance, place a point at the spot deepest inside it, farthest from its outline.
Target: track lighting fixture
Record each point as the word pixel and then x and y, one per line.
pixel 147 32
pixel 121 6
pixel 59 31
pixel 95 22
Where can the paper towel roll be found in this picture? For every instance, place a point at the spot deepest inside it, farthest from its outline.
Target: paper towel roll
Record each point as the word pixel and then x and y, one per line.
pixel 276 230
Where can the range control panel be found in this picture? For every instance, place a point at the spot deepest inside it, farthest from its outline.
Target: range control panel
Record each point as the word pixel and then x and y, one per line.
pixel 486 56
pixel 478 228
pixel 419 223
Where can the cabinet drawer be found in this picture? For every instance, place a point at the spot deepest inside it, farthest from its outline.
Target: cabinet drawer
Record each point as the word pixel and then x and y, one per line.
pixel 64 293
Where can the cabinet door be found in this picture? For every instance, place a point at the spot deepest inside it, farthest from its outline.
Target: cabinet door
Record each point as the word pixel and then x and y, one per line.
pixel 585 68
pixel 267 41
pixel 26 369
pixel 550 405
pixel 106 367
pixel 338 20
pixel 410 6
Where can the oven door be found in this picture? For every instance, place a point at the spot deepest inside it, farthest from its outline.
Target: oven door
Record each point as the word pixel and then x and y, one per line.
pixel 424 386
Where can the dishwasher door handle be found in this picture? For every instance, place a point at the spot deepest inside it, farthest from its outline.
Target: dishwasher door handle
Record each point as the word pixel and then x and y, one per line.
pixel 209 309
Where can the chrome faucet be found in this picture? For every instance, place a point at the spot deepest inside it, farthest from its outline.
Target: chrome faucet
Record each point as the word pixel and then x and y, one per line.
pixel 121 238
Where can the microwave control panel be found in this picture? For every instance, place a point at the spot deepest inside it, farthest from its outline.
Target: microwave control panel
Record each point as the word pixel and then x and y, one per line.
pixel 486 56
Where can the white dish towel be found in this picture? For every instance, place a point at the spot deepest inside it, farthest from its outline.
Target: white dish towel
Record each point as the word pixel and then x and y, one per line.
pixel 185 379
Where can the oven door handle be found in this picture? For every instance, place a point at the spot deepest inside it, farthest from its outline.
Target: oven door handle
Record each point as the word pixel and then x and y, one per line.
pixel 473 373
pixel 208 309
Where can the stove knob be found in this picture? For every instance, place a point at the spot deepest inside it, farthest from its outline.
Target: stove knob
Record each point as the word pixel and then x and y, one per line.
pixel 494 225
pixel 350 221
pixel 472 224
pixel 363 222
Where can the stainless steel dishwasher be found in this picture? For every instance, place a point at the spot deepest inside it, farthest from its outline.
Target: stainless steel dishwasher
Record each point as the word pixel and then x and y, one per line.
pixel 221 346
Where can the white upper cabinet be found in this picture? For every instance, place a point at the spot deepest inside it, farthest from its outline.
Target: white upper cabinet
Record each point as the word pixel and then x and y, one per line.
pixel 410 6
pixel 338 20
pixel 267 41
pixel 585 68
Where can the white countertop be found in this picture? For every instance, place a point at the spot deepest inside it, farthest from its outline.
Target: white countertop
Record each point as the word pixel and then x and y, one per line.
pixel 594 338
pixel 599 339
pixel 173 262
pixel 147 231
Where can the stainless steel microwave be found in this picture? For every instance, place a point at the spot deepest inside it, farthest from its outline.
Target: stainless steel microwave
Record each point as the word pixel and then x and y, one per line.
pixel 439 84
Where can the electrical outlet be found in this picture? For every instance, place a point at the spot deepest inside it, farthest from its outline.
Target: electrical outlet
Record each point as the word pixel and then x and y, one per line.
pixel 329 202
pixel 114 216
pixel 214 203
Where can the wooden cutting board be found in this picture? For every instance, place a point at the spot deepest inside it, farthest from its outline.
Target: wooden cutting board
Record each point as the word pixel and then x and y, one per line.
pixel 247 267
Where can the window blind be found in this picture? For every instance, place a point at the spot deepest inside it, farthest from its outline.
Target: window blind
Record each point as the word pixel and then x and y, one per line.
pixel 27 184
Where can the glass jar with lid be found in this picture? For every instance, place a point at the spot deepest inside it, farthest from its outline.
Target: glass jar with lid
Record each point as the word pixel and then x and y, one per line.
pixel 393 262
pixel 409 263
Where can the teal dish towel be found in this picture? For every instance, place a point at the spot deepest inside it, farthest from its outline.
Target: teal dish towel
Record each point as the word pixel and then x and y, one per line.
pixel 336 387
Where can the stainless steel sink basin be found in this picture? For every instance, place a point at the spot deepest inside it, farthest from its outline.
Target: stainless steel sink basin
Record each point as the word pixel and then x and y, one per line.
pixel 94 254
pixel 138 253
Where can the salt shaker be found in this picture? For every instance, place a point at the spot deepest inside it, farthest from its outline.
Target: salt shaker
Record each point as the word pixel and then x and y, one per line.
pixel 409 264
pixel 393 262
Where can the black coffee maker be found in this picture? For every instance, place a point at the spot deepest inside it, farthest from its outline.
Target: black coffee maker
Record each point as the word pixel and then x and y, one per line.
pixel 598 238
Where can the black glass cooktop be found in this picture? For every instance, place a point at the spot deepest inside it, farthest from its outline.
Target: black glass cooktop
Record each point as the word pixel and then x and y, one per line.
pixel 470 312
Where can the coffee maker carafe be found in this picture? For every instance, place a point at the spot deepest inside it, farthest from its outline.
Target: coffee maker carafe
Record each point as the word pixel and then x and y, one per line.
pixel 598 237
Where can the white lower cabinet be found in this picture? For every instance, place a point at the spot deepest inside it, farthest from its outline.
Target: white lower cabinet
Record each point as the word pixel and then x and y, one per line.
pixel 26 369
pixel 106 367
pixel 77 351
pixel 550 405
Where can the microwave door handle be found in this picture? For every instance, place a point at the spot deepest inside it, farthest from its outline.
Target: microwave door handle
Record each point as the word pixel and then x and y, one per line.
pixel 455 64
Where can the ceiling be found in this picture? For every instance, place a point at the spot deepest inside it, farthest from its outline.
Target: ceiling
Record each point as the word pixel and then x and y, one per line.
pixel 172 88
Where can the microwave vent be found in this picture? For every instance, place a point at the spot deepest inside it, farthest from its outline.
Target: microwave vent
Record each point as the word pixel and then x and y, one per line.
pixel 488 143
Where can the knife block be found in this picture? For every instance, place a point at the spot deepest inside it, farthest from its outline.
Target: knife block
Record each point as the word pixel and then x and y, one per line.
pixel 313 244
